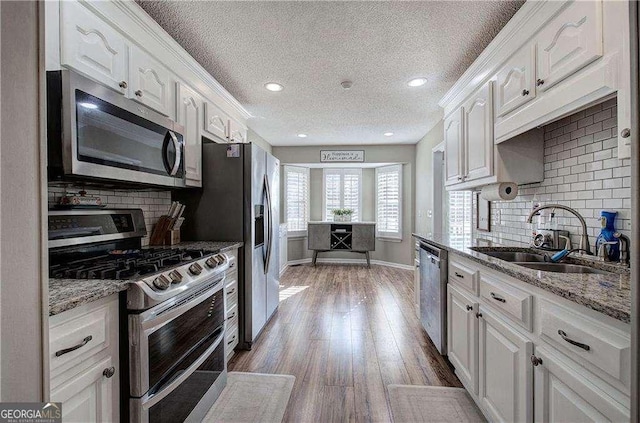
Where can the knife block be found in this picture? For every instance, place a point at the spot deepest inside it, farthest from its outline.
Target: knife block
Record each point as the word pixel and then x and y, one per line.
pixel 172 237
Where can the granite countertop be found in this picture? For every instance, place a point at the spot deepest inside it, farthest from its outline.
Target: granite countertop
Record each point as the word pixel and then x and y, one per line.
pixel 315 222
pixel 65 294
pixel 609 294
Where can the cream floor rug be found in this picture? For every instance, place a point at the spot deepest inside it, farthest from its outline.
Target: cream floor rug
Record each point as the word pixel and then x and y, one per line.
pixel 432 404
pixel 252 398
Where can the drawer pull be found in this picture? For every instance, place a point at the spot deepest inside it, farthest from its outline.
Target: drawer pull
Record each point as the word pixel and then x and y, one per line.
pixel 231 291
pixel 232 340
pixel 458 275
pixel 231 316
pixel 84 342
pixel 498 297
pixel 469 308
pixel 478 315
pixel 564 336
pixel 109 372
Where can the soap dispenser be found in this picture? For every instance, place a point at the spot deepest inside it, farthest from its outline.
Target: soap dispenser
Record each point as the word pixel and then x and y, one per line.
pixel 607 231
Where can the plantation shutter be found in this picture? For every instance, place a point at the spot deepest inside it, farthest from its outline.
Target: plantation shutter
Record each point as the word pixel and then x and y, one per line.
pixel 389 202
pixel 296 185
pixel 342 190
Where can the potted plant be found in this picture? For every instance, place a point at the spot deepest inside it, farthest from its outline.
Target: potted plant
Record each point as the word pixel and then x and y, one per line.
pixel 342 215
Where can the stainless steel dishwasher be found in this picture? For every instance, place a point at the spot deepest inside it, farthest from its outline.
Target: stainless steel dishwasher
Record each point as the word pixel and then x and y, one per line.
pixel 433 294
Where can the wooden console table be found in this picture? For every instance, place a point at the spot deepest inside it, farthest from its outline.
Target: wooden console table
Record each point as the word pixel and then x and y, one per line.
pixel 359 237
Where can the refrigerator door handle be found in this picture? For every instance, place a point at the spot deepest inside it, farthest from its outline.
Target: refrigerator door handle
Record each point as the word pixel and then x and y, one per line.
pixel 269 225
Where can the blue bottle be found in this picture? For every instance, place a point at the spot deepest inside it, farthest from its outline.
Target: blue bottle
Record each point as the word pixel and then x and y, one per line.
pixel 607 221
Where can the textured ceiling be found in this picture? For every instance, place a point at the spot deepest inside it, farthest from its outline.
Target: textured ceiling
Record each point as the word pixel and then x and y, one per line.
pixel 311 46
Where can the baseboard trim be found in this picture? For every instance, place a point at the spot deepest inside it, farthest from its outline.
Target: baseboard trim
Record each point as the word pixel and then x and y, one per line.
pixel 350 261
pixel 284 268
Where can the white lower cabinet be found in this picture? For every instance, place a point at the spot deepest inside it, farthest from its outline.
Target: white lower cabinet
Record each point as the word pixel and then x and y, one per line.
pixel 462 336
pixel 524 373
pixel 505 388
pixel 564 394
pixel 83 362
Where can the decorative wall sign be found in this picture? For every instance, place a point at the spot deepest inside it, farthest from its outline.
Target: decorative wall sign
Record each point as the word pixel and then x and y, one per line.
pixel 342 155
pixel 483 213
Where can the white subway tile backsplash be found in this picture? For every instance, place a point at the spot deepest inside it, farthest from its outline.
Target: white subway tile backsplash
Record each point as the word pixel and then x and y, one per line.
pixel 153 203
pixel 581 170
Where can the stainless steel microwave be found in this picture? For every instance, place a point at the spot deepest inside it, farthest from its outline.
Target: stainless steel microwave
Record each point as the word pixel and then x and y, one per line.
pixel 95 133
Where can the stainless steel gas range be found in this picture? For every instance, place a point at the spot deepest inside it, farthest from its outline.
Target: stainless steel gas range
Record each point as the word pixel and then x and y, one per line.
pixel 172 314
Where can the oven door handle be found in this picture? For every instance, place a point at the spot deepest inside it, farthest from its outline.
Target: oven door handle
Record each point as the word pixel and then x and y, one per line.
pixel 150 321
pixel 150 401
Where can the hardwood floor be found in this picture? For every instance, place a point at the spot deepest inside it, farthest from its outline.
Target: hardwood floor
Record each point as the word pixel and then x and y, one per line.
pixel 345 333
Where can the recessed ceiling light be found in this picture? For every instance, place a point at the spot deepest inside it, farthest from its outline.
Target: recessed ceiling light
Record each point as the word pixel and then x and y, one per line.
pixel 302 135
pixel 273 86
pixel 417 82
pixel 388 134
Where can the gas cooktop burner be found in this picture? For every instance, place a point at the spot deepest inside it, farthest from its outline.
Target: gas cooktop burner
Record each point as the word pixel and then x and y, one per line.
pixel 124 264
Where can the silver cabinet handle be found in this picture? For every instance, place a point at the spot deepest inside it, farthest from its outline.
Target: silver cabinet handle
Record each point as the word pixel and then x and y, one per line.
pixel 536 361
pixel 123 84
pixel 625 133
pixel 109 372
pixel 564 336
pixel 84 342
pixel 138 93
pixel 498 297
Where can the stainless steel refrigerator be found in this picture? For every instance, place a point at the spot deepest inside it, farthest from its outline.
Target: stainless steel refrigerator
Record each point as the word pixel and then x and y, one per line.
pixel 239 201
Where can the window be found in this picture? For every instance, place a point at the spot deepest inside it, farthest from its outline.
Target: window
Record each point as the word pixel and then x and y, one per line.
pixel 459 215
pixel 342 190
pixel 296 200
pixel 389 202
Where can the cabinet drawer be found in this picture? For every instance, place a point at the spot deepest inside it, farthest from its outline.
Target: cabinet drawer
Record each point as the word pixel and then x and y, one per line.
pixel 231 311
pixel 464 276
pixel 586 340
pixel 79 334
pixel 515 303
pixel 231 339
pixel 231 294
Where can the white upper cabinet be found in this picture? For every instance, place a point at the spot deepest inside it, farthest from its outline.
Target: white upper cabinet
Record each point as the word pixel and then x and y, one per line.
pixel 453 148
pixel 216 122
pixel 92 47
pixel 190 114
pixel 149 81
pixel 515 82
pixel 478 135
pixel 237 132
pixel 568 43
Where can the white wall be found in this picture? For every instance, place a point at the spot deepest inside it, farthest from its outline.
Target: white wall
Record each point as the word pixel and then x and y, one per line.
pixel 22 202
pixel 253 137
pixel 388 251
pixel 424 178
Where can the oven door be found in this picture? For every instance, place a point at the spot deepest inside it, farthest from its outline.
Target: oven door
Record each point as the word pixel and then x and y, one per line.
pixel 112 137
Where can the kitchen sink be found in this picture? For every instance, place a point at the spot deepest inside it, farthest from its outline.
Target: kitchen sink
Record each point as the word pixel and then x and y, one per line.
pixel 516 256
pixel 562 268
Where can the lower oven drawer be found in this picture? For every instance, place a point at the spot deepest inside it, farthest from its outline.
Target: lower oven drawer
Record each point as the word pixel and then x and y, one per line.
pixel 190 395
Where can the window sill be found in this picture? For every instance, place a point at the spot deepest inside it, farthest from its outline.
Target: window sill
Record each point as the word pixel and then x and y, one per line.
pixel 296 235
pixel 388 239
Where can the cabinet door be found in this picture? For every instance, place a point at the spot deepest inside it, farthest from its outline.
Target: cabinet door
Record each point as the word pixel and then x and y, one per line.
pixel 453 148
pixel 478 134
pixel 92 47
pixel 506 376
pixel 364 238
pixel 564 394
pixel 237 132
pixel 515 82
pixel 90 396
pixel 216 122
pixel 462 336
pixel 149 81
pixel 569 42
pixel 319 236
pixel 190 116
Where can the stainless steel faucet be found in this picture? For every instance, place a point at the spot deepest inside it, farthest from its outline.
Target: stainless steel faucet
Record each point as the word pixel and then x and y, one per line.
pixel 584 239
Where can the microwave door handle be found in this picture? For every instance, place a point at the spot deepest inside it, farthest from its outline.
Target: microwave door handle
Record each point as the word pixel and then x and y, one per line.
pixel 176 145
pixel 269 224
